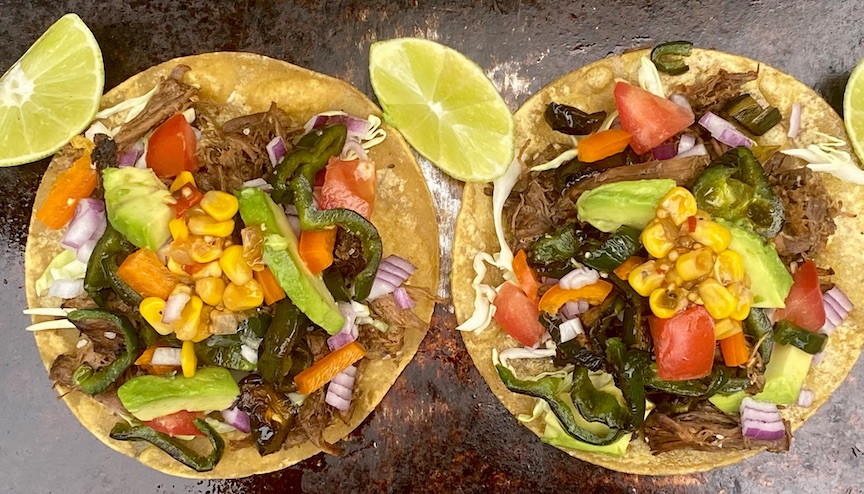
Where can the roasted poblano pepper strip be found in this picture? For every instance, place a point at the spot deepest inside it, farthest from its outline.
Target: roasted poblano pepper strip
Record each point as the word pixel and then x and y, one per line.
pixel 553 390
pixel 719 381
pixel 286 329
pixel 613 251
pixel 627 367
pixel 573 121
pixel 175 447
pixel 94 382
pixel 309 155
pixel 555 247
pixel 112 243
pixel 787 333
pixel 594 405
pixel 633 334
pixel 758 327
pixel 227 350
pixel 311 218
pixel 124 291
pixel 750 114
pixel 667 57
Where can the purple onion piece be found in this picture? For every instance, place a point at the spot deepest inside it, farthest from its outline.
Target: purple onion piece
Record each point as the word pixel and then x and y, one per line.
pixel 237 418
pixel 794 120
pixel 88 223
pixel 681 100
pixel 83 253
pixel 805 398
pixel 357 127
pixel 734 138
pixel 131 155
pixel 276 150
pixel 392 272
pixel 664 151
pixel 697 150
pixel 403 300
pixel 686 143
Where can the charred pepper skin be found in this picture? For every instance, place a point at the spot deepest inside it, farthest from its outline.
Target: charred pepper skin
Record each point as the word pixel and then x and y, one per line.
pixel 572 121
pixel 271 413
pixel 312 218
pixel 174 447
pixel 309 156
pixel 285 332
pixel 99 275
pixel 719 381
pixel 787 333
pixel 96 382
pixel 608 254
pixel 627 367
pixel 667 57
pixel 758 327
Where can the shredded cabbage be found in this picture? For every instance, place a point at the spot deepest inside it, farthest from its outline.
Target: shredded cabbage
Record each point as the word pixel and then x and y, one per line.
pixel 607 124
pixel 134 105
pixel 649 78
pixel 484 295
pixel 562 158
pixel 64 266
pixel 502 188
pixel 827 157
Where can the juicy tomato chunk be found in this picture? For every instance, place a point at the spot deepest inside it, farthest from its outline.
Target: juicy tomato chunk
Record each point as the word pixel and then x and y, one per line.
pixel 804 303
pixel 177 424
pixel 171 148
pixel 187 197
pixel 649 118
pixel 349 185
pixel 683 344
pixel 518 315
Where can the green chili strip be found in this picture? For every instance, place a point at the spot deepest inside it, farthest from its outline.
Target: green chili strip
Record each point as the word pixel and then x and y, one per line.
pixel 96 382
pixel 719 381
pixel 612 252
pixel 96 279
pixel 123 290
pixel 286 329
pixel 311 218
pixel 667 57
pixel 628 369
pixel 749 114
pixel 758 327
pixel 174 447
pixel 595 405
pixel 309 155
pixel 787 333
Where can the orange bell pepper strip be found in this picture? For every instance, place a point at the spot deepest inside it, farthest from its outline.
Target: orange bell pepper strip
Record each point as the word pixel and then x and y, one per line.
pixel 72 184
pixel 623 271
pixel 156 370
pixel 525 276
pixel 322 371
pixel 556 296
pixel 316 248
pixel 146 274
pixel 735 350
pixel 602 144
pixel 273 292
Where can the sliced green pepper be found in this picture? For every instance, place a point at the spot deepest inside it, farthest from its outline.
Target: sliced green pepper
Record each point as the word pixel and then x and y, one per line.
pixel 572 121
pixel 759 327
pixel 633 334
pixel 594 405
pixel 94 382
pixel 311 218
pixel 551 253
pixel 750 115
pixel 627 369
pixel 309 155
pixel 226 350
pixel 787 333
pixel 287 328
pixel 174 447
pixel 719 381
pixel 556 393
pixel 124 291
pixel 98 277
pixel 613 251
pixel 667 57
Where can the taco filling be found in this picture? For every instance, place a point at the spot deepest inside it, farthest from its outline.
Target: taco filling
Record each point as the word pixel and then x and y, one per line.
pixel 661 262
pixel 226 278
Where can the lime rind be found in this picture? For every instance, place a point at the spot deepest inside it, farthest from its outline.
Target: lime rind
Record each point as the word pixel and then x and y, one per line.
pixel 51 93
pixel 445 106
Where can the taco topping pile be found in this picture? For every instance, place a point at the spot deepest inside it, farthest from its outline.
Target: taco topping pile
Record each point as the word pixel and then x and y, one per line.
pixel 223 277
pixel 663 284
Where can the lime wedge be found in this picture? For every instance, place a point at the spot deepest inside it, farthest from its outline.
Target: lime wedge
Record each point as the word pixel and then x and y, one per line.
pixel 853 109
pixel 51 93
pixel 445 106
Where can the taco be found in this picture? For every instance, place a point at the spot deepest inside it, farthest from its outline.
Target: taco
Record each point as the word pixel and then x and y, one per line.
pixel 619 167
pixel 177 305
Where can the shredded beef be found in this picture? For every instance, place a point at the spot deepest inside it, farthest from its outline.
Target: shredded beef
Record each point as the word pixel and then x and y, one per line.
pixel 237 152
pixel 171 97
pixel 104 344
pixel 314 416
pixel 682 170
pixel 347 255
pixel 713 92
pixel 379 344
pixel 810 211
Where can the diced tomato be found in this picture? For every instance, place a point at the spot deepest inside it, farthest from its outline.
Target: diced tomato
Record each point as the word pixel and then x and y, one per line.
pixel 650 118
pixel 171 148
pixel 683 344
pixel 187 197
pixel 349 185
pixel 518 315
pixel 177 424
pixel 804 303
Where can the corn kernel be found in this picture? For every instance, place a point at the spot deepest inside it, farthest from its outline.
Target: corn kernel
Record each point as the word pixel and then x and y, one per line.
pixel 237 298
pixel 205 225
pixel 672 277
pixel 719 302
pixel 666 302
pixel 182 179
pixel 188 359
pixel 744 297
pixel 151 309
pixel 222 206
pixel 655 240
pixel 203 331
pixel 210 290
pixel 679 203
pixel 729 267
pixel 206 249
pixel 724 328
pixel 712 235
pixel 694 264
pixel 187 326
pixel 178 229
pixel 234 266
pixel 210 270
pixel 176 268
pixel 645 278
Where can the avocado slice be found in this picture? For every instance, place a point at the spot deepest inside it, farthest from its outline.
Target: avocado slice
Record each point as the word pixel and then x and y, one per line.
pixel 134 202
pixel 770 281
pixel 307 291
pixel 148 397
pixel 632 203
pixel 729 404
pixel 784 375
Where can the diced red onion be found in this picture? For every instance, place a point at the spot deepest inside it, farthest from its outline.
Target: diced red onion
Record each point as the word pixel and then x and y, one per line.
pixel 237 418
pixel 794 120
pixel 686 143
pixel 131 155
pixel 392 272
pixel 349 332
pixel 734 138
pixel 249 353
pixel 681 100
pixel 166 356
pixel 762 406
pixel 838 296
pixel 174 307
pixel 569 310
pixel 579 278
pixel 357 127
pixel 761 420
pixel 340 389
pixel 66 288
pixel 354 145
pixel 764 431
pixel 664 151
pixel 276 150
pixel 83 253
pixel 403 300
pixel 697 150
pixel 88 223
pixel 805 398
pixel 570 329
pixel 837 307
pixel 258 183
pixel 724 131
